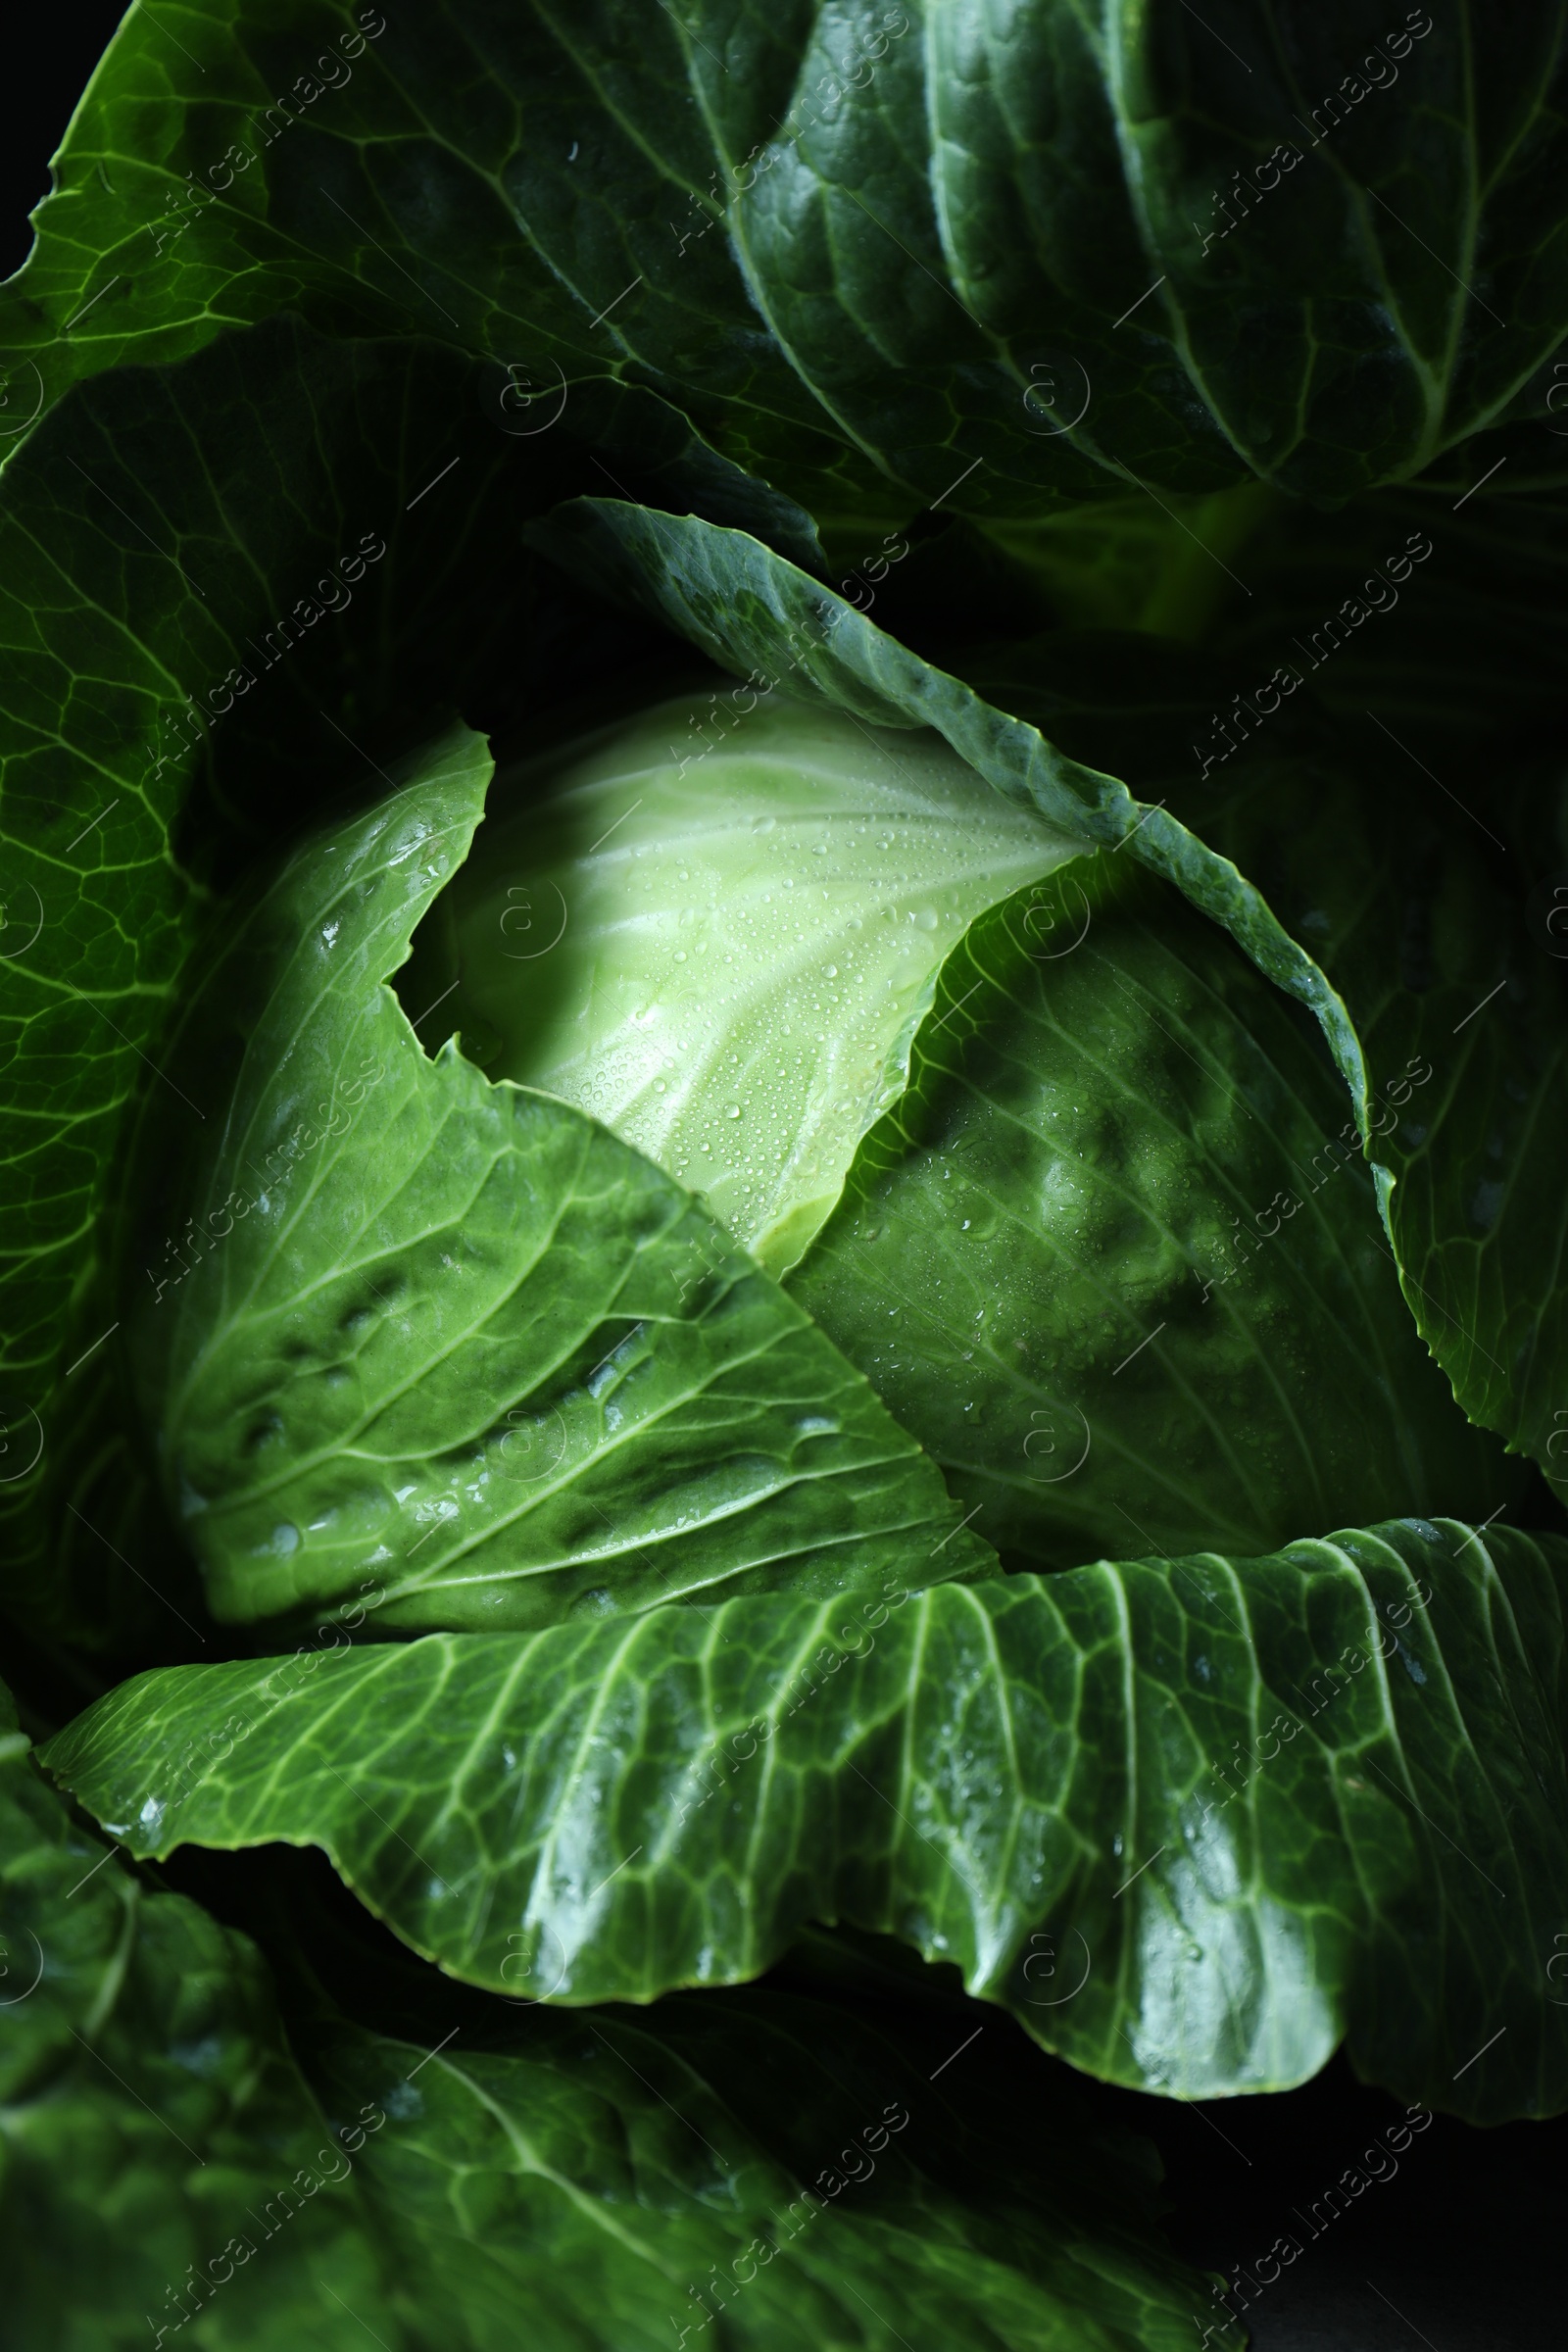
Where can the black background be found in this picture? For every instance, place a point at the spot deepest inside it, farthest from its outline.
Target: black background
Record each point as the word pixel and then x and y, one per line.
pixel 47 73
pixel 1463 2250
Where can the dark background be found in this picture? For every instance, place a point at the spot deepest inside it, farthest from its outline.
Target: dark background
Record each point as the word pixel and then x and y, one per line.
pixel 48 73
pixel 1463 2250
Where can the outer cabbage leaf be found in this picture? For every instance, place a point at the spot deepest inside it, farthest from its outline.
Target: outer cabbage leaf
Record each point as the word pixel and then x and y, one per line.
pixel 1420 849
pixel 452 1344
pixel 185 2160
pixel 148 2098
pixel 1445 949
pixel 1425 864
pixel 614 2182
pixel 203 646
pixel 1193 1820
pixel 783 2154
pixel 1028 256
pixel 1116 1257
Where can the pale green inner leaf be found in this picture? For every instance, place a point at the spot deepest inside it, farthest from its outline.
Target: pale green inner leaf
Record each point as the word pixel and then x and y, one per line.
pixel 722 950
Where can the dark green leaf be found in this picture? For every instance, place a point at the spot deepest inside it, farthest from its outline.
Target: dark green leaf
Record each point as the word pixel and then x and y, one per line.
pixel 1115 1258
pixel 202 647
pixel 786 2159
pixel 148 2099
pixel 172 2158
pixel 880 256
pixel 1448 960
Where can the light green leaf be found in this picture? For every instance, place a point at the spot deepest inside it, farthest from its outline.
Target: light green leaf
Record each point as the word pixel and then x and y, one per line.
pixel 760 617
pixel 450 1346
pixel 1194 1822
pixel 728 969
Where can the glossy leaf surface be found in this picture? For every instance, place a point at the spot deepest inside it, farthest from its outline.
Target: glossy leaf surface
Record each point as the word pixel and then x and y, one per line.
pixel 1194 1822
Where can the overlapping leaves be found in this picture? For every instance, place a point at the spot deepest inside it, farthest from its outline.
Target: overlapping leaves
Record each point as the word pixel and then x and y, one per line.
pixel 209 630
pixel 1429 884
pixel 779 2156
pixel 178 2149
pixel 1428 924
pixel 450 1346
pixel 1327 868
pixel 1194 1822
pixel 1116 1257
pixel 868 250
pixel 148 2095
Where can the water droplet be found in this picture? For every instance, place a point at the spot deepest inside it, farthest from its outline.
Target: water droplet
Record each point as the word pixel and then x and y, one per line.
pixel 832 971
pixel 732 1110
